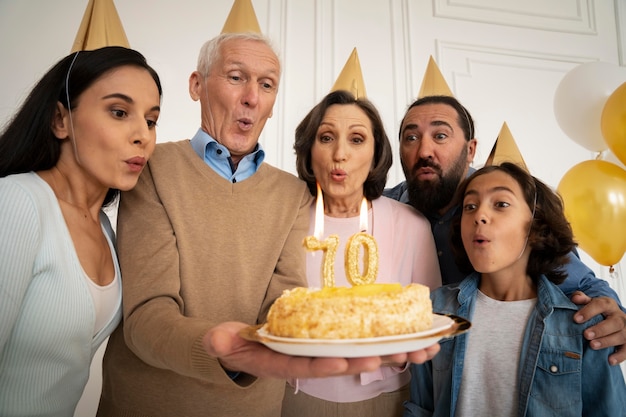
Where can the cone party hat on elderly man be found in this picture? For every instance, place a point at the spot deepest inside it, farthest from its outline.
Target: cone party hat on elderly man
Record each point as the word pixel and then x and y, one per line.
pixel 101 26
pixel 433 83
pixel 241 18
pixel 505 150
pixel 351 78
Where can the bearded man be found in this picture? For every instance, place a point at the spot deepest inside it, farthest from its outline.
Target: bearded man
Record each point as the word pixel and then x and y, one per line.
pixel 437 146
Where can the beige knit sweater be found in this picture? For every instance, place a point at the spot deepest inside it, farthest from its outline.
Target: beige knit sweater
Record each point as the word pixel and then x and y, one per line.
pixel 196 250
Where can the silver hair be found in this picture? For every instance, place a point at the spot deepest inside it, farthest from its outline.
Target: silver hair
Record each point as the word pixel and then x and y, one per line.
pixel 209 53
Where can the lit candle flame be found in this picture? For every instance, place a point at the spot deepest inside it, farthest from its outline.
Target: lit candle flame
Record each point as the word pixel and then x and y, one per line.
pixel 319 214
pixel 328 246
pixel 363 216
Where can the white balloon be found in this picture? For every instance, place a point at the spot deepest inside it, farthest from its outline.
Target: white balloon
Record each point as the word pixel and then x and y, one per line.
pixel 580 98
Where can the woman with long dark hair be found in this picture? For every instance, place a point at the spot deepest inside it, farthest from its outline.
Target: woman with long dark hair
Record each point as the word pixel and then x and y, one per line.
pixel 83 134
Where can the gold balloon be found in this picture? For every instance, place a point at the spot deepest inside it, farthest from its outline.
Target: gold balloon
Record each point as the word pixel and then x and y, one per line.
pixel 613 122
pixel 594 195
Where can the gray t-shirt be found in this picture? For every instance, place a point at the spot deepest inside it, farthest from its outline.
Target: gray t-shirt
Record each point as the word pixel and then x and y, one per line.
pixel 489 385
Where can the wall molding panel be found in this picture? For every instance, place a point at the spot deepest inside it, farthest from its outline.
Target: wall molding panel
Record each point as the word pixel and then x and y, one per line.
pixel 574 16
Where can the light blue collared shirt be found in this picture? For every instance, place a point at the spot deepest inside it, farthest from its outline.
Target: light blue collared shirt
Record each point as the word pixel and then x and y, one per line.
pixel 217 156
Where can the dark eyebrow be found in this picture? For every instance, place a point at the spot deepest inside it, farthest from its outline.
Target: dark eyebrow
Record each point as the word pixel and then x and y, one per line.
pixel 441 123
pixel 470 192
pixel 491 190
pixel 120 96
pixel 127 99
pixel 413 126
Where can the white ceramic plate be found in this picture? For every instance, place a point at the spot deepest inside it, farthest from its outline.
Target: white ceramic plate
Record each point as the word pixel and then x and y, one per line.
pixel 354 348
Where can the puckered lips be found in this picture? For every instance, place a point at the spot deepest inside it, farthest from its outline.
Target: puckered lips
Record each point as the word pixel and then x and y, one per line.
pixel 136 163
pixel 245 123
pixel 338 174
pixel 426 173
pixel 480 240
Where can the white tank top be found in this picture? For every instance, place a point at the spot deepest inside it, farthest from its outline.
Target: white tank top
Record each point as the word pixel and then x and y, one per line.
pixel 105 301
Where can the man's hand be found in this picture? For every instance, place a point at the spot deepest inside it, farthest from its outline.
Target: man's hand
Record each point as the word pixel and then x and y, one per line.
pixel 237 354
pixel 611 331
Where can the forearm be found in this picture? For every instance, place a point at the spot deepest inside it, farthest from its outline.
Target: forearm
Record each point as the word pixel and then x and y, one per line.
pixel 155 327
pixel 164 338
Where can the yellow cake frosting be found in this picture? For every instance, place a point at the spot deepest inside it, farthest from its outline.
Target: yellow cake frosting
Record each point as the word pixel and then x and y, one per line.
pixel 369 310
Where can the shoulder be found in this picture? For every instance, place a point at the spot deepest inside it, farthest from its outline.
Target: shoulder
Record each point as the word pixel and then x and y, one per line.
pixel 400 213
pixel 552 299
pixel 396 191
pixel 449 290
pixel 399 207
pixel 171 150
pixel 445 299
pixel 448 297
pixel 575 267
pixel 551 295
pixel 28 205
pixel 170 159
pixel 28 187
pixel 27 180
pixel 286 179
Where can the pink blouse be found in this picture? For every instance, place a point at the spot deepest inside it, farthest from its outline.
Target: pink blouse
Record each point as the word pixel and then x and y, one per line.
pixel 407 254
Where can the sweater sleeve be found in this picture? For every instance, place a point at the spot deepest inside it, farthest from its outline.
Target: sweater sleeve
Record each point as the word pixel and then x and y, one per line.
pixel 19 240
pixel 154 327
pixel 290 268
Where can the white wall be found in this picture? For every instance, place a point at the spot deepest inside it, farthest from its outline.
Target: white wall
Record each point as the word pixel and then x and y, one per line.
pixel 502 58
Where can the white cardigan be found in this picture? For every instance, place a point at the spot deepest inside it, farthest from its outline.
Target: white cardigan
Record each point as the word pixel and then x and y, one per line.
pixel 46 310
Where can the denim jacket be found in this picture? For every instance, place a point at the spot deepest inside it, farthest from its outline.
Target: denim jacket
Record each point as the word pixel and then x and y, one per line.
pixel 560 375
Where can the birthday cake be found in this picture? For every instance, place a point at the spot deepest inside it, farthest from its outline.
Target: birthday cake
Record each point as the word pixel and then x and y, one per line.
pixel 361 311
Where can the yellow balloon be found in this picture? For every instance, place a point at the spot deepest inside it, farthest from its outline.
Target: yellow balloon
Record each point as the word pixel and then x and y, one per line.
pixel 594 196
pixel 613 122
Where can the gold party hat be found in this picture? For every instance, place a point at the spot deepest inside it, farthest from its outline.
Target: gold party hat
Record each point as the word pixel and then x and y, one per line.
pixel 101 26
pixel 241 18
pixel 351 78
pixel 505 150
pixel 433 83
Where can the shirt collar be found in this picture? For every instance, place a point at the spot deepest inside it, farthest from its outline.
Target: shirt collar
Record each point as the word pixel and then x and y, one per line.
pixel 217 156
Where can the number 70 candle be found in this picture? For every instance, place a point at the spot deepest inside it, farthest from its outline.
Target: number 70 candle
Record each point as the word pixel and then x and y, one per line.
pixel 329 247
pixel 370 253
